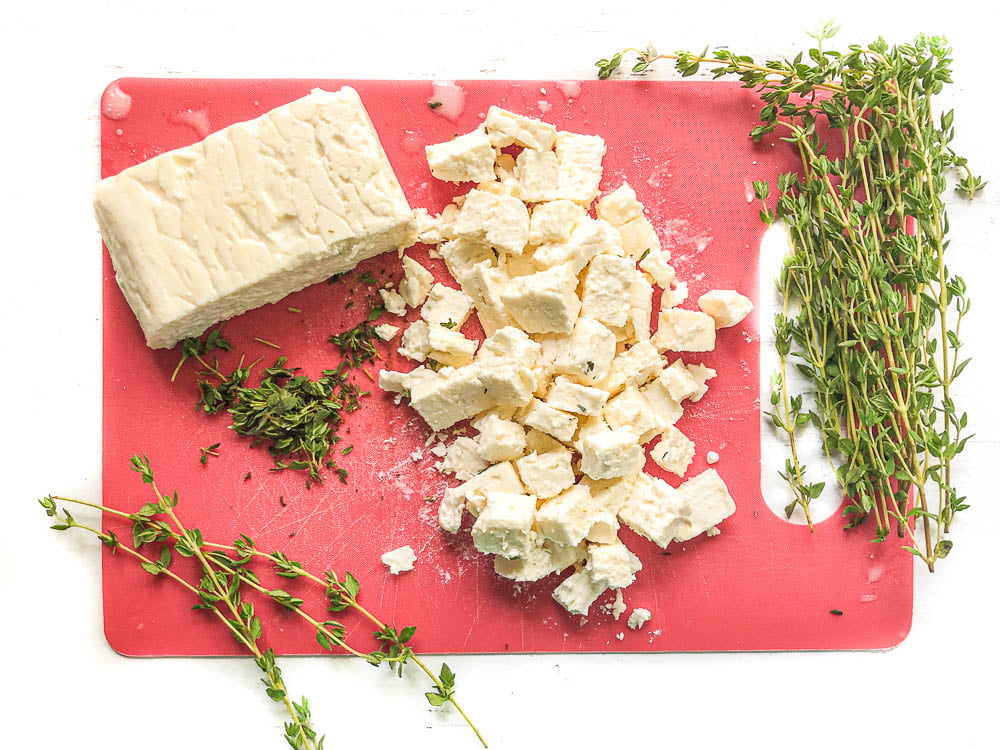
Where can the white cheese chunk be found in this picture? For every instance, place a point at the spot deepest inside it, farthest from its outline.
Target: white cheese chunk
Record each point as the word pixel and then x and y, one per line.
pixel 484 283
pixel 415 343
pixel 587 239
pixel 512 343
pixel 708 502
pixel 578 592
pixel 726 307
pixel 655 265
pixel 542 560
pixel 416 283
pixel 679 381
pixel 499 439
pixel 393 302
pixel 537 174
pixel 450 346
pixel 250 214
pixel 580 166
pixel 507 128
pixel 544 302
pixel 450 510
pixel 631 411
pixel 614 564
pixel 684 331
pixel 615 453
pixel 639 363
pixel 701 375
pixel 400 382
pixel 446 305
pixel 386 331
pixel 547 474
pixel 607 289
pixel 665 410
pixel 500 221
pixel 504 525
pixel 500 477
pixel 456 394
pixel 538 442
pixel 641 312
pixel 673 295
pixel 619 206
pixel 588 353
pixel 639 617
pixel 639 241
pixel 399 560
pixel 462 459
pixel 554 221
pixel 654 510
pixel 461 254
pixel 711 457
pixel 573 397
pixel 465 158
pixel 558 424
pixel 507 382
pixel 674 452
pixel 566 518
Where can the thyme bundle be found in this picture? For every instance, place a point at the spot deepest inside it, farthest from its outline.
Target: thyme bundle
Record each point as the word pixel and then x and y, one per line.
pixel 872 313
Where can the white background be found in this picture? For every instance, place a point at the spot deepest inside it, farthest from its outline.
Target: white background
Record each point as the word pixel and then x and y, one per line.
pixel 62 685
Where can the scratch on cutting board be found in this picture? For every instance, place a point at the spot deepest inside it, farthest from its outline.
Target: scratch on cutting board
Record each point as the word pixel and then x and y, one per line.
pixel 475 620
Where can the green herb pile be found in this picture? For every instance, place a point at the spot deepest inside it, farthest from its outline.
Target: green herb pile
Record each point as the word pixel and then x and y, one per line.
pixel 872 313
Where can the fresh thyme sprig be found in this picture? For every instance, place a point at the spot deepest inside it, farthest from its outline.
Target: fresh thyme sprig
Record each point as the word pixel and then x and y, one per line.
pixel 876 332
pixel 195 347
pixel 226 570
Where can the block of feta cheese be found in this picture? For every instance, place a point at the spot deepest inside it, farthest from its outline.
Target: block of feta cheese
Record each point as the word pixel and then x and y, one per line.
pixel 484 282
pixel 415 343
pixel 472 493
pixel 726 307
pixel 399 560
pixel 558 424
pixel 250 214
pixel 578 592
pixel 708 504
pixel 554 221
pixel 465 158
pixel 679 381
pixel 587 354
pixel 619 206
pixel 655 510
pixel 611 454
pixel 544 302
pixel 503 527
pixel 455 394
pixel 499 439
pixel 566 395
pixel 537 175
pixel 588 238
pixel 449 346
pixel 639 241
pixel 566 518
pixel 542 560
pixel 462 459
pixel 547 474
pixel 386 331
pixel 684 331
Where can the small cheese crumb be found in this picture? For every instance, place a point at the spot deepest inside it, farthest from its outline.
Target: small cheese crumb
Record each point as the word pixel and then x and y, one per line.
pixel 386 331
pixel 399 560
pixel 394 304
pixel 620 636
pixel 712 457
pixel 639 617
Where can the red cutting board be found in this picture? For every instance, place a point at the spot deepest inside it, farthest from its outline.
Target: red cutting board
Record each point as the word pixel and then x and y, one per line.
pixel 762 584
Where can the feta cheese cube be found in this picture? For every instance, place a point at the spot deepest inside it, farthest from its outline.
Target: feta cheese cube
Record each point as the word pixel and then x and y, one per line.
pixel 619 206
pixel 500 221
pixel 386 331
pixel 547 474
pixel 654 510
pixel 538 175
pixel 701 375
pixel 674 452
pixel 665 409
pixel 401 382
pixel 449 346
pixel 462 253
pixel 416 283
pixel 726 307
pixel 507 381
pixel 630 411
pixel 673 295
pixel 565 518
pixel 250 214
pixel 542 560
pixel 639 364
pixel 708 504
pixel 639 617
pixel 606 455
pixel 504 525
pixel 639 241
pixel 580 166
pixel 446 305
pixel 544 302
pixel 573 397
pixel 679 381
pixel 462 459
pixel 614 564
pixel 465 158
pixel 589 238
pixel 415 343
pixel 641 312
pixel 484 283
pixel 450 510
pixel 554 221
pixel 499 439
pixel 655 265
pixel 497 478
pixel 684 331
pixel 607 289
pixel 507 128
pixel 399 560
pixel 512 343
pixel 539 442
pixel 392 302
pixel 588 353
pixel 558 424
pixel 453 396
pixel 578 592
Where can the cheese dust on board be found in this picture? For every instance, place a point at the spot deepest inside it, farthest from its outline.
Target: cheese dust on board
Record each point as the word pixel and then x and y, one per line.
pixel 573 383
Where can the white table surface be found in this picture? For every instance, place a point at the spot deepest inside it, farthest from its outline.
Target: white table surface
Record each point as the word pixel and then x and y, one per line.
pixel 64 687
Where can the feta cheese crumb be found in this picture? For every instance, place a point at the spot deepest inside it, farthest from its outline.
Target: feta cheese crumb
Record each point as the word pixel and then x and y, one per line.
pixel 393 303
pixel 639 617
pixel 674 452
pixel 399 560
pixel 726 307
pixel 416 283
pixel 578 592
pixel 466 158
pixel 711 457
pixel 386 331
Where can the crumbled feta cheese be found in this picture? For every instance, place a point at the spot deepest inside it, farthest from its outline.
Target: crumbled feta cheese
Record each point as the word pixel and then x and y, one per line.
pixel 386 331
pixel 631 411
pixel 606 455
pixel 664 409
pixel 679 381
pixel 504 525
pixel 547 474
pixel 499 439
pixel 674 295
pixel 512 343
pixel 456 394
pixel 415 344
pixel 399 560
pixel 618 606
pixel 544 302
pixel 449 346
pixel 639 241
pixel 461 254
pixel 500 477
pixel 654 264
pixel 641 312
pixel 578 592
pixel 588 353
pixel 465 158
pixel 639 364
pixel 588 238
pixel 500 221
pixel 462 459
pixel 558 424
pixel 654 509
pixel 573 397
pixel 639 617
pixel 607 289
pixel 393 303
pixel 612 564
pixel 619 206
pixel 507 381
pixel 711 457
pixel 416 283
pixel 684 331
pixel 580 166
pixel 507 128
pixel 565 518
pixel 538 175
pixel 708 501
pixel 674 452
pixel 446 305
pixel 702 375
pixel 542 560
pixel 554 221
pixel 725 306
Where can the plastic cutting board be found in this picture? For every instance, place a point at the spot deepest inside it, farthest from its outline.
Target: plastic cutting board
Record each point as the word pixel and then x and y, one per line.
pixel 761 584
